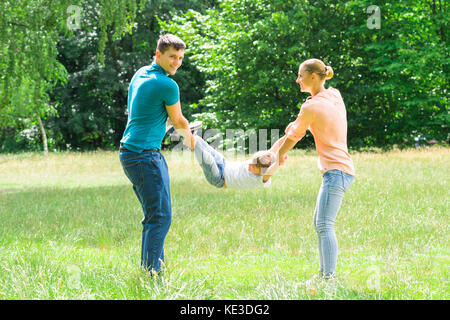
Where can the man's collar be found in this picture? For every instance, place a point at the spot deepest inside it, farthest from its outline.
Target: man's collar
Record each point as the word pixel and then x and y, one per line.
pixel 156 67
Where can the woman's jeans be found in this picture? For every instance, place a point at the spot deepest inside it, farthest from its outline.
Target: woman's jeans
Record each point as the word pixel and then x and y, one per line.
pixel 149 174
pixel 211 161
pixel 334 185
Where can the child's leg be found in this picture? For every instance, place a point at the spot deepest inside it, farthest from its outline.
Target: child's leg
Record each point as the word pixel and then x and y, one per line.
pixel 211 161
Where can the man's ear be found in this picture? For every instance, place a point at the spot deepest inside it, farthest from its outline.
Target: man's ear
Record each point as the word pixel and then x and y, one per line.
pixel 158 53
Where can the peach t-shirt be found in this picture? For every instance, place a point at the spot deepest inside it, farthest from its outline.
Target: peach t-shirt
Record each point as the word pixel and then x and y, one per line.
pixel 325 116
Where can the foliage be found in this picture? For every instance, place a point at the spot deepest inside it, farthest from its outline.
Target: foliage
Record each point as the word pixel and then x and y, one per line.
pixel 91 107
pixel 239 71
pixel 29 66
pixel 392 87
pixel 405 86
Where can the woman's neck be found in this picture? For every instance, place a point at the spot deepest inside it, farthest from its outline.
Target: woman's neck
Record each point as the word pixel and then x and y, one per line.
pixel 317 90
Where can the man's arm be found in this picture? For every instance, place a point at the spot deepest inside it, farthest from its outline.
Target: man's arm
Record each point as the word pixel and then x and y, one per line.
pixel 180 124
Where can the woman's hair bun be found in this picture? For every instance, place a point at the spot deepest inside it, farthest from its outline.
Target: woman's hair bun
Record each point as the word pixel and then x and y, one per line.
pixel 329 72
pixel 317 66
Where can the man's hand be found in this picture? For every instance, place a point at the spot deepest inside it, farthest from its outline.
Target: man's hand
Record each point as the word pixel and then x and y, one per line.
pixel 190 142
pixel 181 124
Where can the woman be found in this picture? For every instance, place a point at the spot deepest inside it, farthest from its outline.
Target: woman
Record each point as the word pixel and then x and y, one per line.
pixel 324 115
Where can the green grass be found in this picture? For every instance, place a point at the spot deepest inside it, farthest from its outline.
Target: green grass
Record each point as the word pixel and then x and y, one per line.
pixel 70 229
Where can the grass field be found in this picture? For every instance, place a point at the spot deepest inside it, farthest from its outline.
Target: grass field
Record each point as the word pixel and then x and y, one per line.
pixel 70 229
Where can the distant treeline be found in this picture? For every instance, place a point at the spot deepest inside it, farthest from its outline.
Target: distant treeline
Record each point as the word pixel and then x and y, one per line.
pixel 390 60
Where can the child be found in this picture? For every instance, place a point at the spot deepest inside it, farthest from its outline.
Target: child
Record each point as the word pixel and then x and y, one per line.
pixel 253 173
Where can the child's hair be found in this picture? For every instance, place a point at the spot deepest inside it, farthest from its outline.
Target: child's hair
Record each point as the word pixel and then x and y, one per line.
pixel 263 159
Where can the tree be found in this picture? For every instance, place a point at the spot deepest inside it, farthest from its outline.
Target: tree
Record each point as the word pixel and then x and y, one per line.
pixel 29 68
pixel 91 107
pixel 251 49
pixel 404 67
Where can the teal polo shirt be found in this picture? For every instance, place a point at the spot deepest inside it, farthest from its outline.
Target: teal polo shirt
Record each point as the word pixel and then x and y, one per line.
pixel 150 91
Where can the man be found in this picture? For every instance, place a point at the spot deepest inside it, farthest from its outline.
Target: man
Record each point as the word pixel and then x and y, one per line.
pixel 152 97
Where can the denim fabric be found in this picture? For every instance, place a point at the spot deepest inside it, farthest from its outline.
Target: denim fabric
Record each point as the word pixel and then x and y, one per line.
pixel 334 185
pixel 211 161
pixel 149 174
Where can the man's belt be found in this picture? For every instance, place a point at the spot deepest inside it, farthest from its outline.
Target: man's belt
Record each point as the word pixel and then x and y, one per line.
pixel 123 149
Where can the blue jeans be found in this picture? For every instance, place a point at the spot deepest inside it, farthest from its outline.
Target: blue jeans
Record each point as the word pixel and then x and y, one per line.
pixel 334 185
pixel 149 174
pixel 211 161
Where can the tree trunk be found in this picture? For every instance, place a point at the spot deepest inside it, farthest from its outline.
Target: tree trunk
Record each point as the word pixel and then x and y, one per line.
pixel 44 136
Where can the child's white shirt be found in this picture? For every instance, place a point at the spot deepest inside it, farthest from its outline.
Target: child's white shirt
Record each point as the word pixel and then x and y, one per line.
pixel 237 176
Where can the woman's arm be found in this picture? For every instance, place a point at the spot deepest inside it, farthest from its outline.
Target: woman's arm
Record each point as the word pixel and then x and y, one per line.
pixel 284 148
pixel 276 146
pixel 294 132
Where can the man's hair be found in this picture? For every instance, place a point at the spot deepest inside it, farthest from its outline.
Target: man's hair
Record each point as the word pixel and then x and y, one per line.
pixel 263 159
pixel 170 40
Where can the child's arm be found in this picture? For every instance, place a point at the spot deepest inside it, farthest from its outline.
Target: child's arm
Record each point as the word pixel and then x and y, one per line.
pixel 265 172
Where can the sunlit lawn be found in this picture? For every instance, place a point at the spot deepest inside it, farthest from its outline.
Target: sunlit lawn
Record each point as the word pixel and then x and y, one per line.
pixel 70 229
